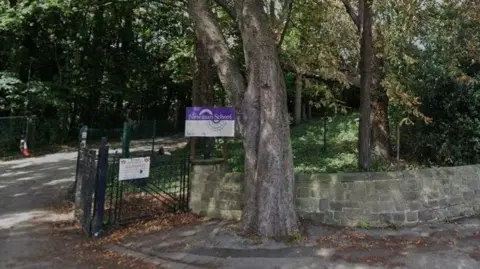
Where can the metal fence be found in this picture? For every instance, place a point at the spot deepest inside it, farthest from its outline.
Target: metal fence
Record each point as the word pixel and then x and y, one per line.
pixel 166 189
pixel 12 129
pixel 106 201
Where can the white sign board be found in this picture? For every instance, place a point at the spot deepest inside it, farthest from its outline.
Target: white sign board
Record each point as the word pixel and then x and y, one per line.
pixel 210 122
pixel 134 168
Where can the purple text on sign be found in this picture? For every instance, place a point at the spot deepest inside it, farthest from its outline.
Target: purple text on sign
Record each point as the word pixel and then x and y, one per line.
pixel 215 114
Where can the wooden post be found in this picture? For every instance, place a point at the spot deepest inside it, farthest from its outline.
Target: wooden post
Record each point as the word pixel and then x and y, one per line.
pixel 225 149
pixel 192 148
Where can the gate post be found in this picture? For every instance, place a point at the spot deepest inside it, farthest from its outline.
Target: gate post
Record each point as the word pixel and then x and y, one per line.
pixel 82 143
pixel 126 140
pixel 100 187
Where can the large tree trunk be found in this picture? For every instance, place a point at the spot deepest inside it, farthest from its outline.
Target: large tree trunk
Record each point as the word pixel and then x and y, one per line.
pixel 269 181
pixel 270 206
pixel 366 58
pixel 203 93
pixel 298 98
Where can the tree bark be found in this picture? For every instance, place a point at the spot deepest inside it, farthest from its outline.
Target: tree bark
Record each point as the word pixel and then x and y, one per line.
pixel 380 121
pixel 366 58
pixel 203 93
pixel 269 206
pixel 262 105
pixel 298 98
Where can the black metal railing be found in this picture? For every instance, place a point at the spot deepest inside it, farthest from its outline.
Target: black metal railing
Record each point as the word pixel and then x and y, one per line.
pixel 165 190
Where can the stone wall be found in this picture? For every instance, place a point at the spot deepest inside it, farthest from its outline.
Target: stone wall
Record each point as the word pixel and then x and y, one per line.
pixel 374 199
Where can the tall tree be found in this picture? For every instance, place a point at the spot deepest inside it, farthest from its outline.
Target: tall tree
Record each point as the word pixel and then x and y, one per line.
pixel 260 100
pixel 366 57
pixel 380 126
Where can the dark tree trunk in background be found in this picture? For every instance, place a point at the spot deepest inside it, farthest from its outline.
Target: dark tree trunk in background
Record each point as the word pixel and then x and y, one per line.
pixel 366 61
pixel 380 131
pixel 262 106
pixel 298 98
pixel 95 65
pixel 380 121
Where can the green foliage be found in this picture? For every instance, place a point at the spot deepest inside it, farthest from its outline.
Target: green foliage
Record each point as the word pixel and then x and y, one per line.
pixel 78 62
pixel 454 136
pixel 311 154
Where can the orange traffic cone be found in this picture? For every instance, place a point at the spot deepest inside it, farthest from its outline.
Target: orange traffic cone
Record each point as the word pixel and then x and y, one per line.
pixel 24 148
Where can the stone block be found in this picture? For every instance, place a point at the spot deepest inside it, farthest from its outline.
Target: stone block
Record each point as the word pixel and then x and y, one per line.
pixel 382 196
pixel 302 177
pixel 411 185
pixel 340 194
pixel 348 204
pixel 432 194
pixel 400 206
pixel 231 204
pixel 314 218
pixel 386 217
pixel 231 214
pixel 426 215
pixel 415 205
pixel 372 217
pixel 336 206
pixel 303 192
pixel 384 176
pixel 374 207
pixel 412 216
pixel 389 206
pixel 382 186
pixel 411 195
pixel 308 205
pixel 430 203
pixel 326 178
pixel 351 177
pixel 353 213
pixel 455 200
pixel 340 216
pixel 469 195
pixel 324 205
pixel 443 202
pixel 399 217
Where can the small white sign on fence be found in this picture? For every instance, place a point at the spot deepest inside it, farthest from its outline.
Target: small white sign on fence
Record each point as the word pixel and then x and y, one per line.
pixel 134 168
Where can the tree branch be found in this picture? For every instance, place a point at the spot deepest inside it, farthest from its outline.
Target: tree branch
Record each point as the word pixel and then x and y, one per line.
pixel 227 7
pixel 353 15
pixel 208 31
pixel 353 80
pixel 289 6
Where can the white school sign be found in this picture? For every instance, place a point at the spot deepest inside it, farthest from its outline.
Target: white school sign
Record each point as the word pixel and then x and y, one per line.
pixel 210 122
pixel 135 168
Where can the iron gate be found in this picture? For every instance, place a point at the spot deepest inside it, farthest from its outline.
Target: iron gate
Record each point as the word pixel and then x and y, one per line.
pixel 102 200
pixel 165 190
